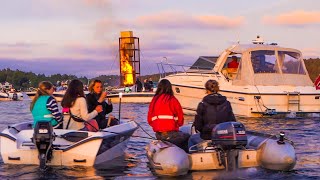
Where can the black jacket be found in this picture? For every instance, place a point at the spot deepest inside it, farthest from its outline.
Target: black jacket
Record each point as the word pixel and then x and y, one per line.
pixel 213 109
pixel 92 102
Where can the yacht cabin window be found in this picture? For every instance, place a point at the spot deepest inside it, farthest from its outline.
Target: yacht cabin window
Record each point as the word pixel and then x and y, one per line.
pixel 204 63
pixel 264 61
pixel 290 62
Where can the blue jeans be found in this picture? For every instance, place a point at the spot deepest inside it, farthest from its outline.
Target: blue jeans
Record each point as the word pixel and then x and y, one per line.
pixel 194 139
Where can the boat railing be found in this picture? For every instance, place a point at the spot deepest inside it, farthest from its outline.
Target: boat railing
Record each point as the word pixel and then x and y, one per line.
pixel 170 68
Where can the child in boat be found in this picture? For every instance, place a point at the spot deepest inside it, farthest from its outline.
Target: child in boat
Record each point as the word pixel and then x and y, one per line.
pixel 165 116
pixel 213 109
pixel 44 107
pixel 97 97
pixel 74 99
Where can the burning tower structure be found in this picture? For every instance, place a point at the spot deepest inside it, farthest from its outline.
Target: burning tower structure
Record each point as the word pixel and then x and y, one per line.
pixel 129 57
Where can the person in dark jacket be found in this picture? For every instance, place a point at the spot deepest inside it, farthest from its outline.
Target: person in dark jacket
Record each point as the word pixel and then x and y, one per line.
pixel 213 109
pixel 138 85
pixel 97 97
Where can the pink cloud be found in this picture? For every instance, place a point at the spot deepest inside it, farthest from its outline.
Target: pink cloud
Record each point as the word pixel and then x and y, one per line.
pixel 183 20
pixel 296 18
pixel 164 20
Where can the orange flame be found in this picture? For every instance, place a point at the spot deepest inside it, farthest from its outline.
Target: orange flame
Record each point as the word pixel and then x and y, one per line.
pixel 126 67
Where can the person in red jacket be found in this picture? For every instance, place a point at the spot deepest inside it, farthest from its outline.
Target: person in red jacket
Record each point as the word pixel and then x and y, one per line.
pixel 165 116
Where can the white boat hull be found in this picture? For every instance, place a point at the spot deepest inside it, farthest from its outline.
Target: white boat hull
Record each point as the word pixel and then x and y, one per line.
pixel 97 148
pixel 10 96
pixel 244 100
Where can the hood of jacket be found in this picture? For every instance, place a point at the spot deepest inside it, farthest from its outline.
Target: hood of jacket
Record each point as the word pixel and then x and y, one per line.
pixel 214 99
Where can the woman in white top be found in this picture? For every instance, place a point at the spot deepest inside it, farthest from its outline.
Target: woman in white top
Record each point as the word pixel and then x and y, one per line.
pixel 74 99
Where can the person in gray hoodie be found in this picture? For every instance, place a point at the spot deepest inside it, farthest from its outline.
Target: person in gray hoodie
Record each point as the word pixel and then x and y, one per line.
pixel 212 110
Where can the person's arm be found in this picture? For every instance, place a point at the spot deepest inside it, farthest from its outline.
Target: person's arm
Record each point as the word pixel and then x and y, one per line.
pixel 150 112
pixel 52 106
pixel 231 116
pixel 178 111
pixel 198 121
pixel 84 110
pixel 91 102
pixel 108 108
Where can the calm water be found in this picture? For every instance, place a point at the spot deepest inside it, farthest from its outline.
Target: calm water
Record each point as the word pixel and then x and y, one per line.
pixel 304 132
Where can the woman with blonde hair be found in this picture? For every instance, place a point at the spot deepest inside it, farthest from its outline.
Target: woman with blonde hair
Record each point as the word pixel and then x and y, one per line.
pixel 44 107
pixel 97 97
pixel 212 110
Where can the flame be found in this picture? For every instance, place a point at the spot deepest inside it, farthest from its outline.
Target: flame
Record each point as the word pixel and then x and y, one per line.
pixel 126 67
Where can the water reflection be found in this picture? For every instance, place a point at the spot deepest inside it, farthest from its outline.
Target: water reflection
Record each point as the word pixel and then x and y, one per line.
pixel 134 164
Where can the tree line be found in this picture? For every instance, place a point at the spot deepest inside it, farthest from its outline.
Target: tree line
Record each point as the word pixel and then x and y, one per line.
pixel 24 80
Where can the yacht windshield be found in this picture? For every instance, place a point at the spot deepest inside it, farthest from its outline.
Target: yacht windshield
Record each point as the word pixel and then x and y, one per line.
pixel 290 62
pixel 204 63
pixel 264 61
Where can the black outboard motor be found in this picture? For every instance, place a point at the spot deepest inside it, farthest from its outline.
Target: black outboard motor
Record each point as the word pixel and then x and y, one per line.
pixel 230 137
pixel 43 138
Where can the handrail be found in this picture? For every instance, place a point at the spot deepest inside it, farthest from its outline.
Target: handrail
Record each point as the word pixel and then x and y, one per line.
pixel 163 72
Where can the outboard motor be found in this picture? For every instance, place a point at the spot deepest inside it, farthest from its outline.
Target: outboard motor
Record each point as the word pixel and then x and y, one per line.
pixel 43 138
pixel 230 137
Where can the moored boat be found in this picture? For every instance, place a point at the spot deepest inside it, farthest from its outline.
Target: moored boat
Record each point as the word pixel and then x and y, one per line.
pixel 231 147
pixel 269 80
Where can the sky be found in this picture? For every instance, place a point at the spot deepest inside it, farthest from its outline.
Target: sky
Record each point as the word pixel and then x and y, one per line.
pixel 80 37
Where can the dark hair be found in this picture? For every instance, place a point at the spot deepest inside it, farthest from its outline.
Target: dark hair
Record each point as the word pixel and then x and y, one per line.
pixel 164 87
pixel 93 83
pixel 75 90
pixel 42 89
pixel 212 86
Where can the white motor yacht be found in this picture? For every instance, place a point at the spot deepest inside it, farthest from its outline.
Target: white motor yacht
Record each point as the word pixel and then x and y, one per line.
pixel 269 80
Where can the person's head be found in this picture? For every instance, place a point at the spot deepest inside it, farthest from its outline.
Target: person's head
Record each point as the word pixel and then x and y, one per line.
pixel 234 58
pixel 164 87
pixel 212 86
pixel 75 90
pixel 145 80
pixel 150 79
pixel 44 88
pixel 95 86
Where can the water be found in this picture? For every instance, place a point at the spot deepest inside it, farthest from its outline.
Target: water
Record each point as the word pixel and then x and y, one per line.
pixel 304 132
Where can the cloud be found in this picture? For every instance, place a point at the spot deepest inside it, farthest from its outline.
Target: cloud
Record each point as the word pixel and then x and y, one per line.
pixel 173 20
pixel 183 20
pixel 298 18
pixel 310 52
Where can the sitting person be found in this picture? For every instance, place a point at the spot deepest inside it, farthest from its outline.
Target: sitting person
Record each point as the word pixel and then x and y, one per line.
pixel 165 116
pixel 213 109
pixel 44 107
pixel 74 100
pixel 97 97
pixel 233 65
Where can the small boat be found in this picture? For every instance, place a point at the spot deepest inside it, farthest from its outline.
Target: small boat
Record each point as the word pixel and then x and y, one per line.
pixel 58 95
pixel 11 96
pixel 43 145
pixel 231 147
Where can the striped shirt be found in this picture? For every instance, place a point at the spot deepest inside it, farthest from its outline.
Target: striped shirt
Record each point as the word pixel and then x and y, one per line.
pixel 53 107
